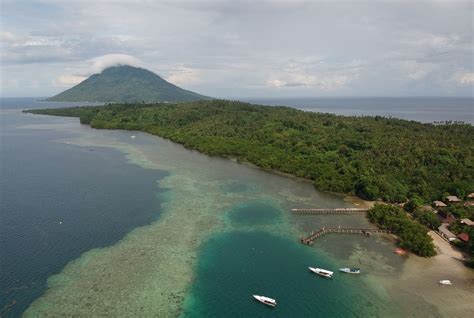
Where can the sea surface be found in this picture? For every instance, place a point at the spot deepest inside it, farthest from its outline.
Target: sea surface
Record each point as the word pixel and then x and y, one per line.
pixel 126 224
pixel 422 109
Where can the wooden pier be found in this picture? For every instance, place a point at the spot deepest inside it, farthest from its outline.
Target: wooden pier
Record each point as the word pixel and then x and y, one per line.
pixel 330 211
pixel 310 238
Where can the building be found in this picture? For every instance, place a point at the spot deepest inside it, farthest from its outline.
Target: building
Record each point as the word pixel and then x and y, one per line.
pixel 470 196
pixel 447 234
pixel 467 222
pixel 464 237
pixel 448 220
pixel 439 204
pixel 453 199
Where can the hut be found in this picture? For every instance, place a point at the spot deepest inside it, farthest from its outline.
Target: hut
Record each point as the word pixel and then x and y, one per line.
pixel 470 196
pixel 464 237
pixel 447 234
pixel 467 222
pixel 439 204
pixel 448 219
pixel 453 199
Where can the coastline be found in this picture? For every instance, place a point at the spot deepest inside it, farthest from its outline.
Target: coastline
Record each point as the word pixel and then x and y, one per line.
pixel 410 269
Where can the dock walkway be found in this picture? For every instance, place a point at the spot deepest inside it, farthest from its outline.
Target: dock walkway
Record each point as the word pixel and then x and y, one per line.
pixel 308 240
pixel 330 211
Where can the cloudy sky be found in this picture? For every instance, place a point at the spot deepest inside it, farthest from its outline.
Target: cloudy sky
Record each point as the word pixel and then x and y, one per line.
pixel 244 48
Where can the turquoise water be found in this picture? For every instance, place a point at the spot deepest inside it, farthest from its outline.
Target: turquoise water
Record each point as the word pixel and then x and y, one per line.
pixel 234 266
pixel 255 213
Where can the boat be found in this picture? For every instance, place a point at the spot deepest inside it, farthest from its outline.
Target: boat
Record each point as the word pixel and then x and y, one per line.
pixel 445 282
pixel 321 272
pixel 350 270
pixel 266 300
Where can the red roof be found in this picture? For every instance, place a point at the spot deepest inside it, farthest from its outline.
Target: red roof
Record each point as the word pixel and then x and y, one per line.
pixel 464 237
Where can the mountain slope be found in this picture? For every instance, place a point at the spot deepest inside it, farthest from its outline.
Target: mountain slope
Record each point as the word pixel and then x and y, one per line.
pixel 126 84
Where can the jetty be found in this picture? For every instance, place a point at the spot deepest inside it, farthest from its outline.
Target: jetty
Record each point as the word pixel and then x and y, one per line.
pixel 330 211
pixel 308 240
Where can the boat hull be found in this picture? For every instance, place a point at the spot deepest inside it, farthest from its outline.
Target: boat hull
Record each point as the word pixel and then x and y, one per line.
pixel 321 272
pixel 265 300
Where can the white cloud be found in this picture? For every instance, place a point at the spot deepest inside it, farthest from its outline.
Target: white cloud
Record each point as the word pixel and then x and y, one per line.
pixel 69 80
pixel 464 78
pixel 98 64
pixel 182 75
pixel 415 70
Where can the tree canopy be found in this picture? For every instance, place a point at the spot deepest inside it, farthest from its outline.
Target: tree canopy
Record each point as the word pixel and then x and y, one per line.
pixel 371 157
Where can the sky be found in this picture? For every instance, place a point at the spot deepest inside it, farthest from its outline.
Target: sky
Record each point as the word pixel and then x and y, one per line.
pixel 247 48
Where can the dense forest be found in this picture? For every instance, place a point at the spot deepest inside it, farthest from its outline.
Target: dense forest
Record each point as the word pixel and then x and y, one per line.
pixel 413 236
pixel 371 157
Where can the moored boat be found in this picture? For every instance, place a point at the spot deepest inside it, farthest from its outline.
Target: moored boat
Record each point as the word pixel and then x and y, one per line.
pixel 266 300
pixel 350 270
pixel 321 272
pixel 445 282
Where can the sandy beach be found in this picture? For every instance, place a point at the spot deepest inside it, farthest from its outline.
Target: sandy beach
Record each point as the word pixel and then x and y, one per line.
pixel 420 279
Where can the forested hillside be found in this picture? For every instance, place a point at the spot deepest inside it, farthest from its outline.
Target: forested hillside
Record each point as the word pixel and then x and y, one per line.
pixel 372 157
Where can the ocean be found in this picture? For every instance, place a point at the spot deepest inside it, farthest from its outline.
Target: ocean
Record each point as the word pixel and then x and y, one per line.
pixel 97 223
pixel 422 109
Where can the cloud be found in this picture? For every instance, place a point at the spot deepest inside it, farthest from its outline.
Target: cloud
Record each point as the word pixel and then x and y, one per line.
pixel 284 48
pixel 102 62
pixel 464 78
pixel 69 80
pixel 415 70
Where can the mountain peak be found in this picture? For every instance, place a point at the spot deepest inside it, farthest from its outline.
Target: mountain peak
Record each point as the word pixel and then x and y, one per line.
pixel 125 84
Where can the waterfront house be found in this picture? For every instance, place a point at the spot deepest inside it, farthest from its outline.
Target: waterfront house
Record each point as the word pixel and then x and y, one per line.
pixel 447 234
pixel 467 222
pixel 439 204
pixel 453 199
pixel 464 237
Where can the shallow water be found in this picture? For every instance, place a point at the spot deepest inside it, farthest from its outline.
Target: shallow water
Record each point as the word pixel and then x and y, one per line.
pixel 225 231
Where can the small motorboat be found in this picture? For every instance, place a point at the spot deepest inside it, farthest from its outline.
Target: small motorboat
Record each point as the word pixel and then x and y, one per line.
pixel 321 272
pixel 445 282
pixel 350 270
pixel 266 300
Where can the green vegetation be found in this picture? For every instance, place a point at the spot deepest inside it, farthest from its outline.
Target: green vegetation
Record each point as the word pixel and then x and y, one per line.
pixel 468 247
pixel 126 84
pixel 458 211
pixel 413 236
pixel 371 157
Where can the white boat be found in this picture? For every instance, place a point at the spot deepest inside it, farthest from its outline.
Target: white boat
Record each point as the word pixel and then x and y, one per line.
pixel 350 270
pixel 266 300
pixel 445 282
pixel 321 272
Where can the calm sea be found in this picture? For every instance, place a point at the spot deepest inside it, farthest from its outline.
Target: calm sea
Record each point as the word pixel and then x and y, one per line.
pixel 422 109
pixel 58 201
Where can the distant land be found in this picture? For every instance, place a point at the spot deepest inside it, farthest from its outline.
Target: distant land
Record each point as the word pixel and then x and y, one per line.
pixel 126 84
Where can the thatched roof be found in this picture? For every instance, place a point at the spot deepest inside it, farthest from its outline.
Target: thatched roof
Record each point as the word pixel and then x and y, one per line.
pixel 467 222
pixel 439 204
pixel 453 198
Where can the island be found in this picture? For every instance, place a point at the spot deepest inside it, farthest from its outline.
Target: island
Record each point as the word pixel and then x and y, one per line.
pixel 405 163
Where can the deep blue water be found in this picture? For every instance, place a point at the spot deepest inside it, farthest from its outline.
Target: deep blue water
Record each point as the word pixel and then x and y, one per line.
pixel 422 109
pixel 58 201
